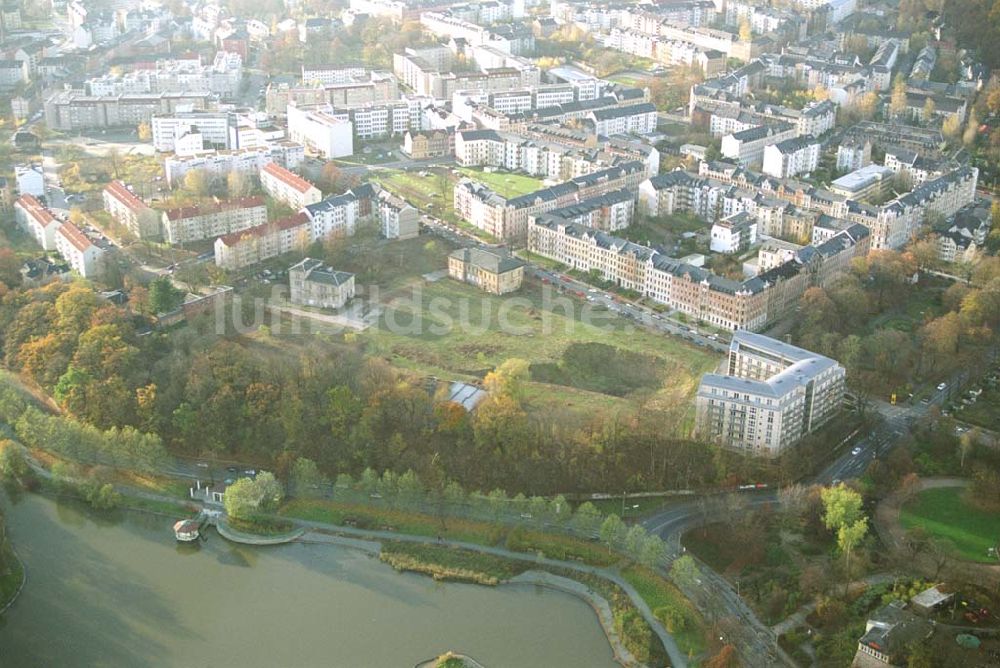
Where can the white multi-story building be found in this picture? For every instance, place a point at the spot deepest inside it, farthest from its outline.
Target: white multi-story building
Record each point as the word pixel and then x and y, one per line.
pixel 131 212
pixel 798 155
pixel 37 221
pixel 330 75
pixel 508 219
pixel 375 121
pixel 746 147
pixel 82 254
pixel 771 395
pixel 734 233
pixel 853 154
pixel 213 128
pixel 218 164
pixel 337 216
pixel 327 135
pixel 398 219
pixel 633 119
pixel 288 187
pixel 222 77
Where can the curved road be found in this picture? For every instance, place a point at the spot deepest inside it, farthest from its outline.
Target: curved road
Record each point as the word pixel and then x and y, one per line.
pixel 755 641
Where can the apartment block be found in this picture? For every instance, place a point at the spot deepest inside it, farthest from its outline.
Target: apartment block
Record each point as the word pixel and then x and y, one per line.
pixel 798 155
pixel 746 147
pixel 212 127
pixel 288 187
pixel 193 223
pixel 633 119
pixel 398 219
pixel 698 293
pixel 771 395
pixel 128 210
pixel 507 219
pixel 734 233
pixel 37 221
pixel 338 216
pixel 376 121
pixel 429 144
pixel 82 254
pixel 218 164
pixel 253 245
pixel 68 110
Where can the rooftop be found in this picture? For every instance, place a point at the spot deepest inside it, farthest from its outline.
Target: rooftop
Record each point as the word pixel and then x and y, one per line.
pixel 495 263
pixel 288 177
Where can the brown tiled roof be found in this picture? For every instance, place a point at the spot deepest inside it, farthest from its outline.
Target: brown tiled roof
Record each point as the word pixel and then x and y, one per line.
pixel 36 210
pixel 290 178
pixel 286 223
pixel 73 234
pixel 203 209
pixel 125 196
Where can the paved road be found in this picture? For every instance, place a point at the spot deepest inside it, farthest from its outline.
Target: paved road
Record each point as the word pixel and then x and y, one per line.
pixel 757 644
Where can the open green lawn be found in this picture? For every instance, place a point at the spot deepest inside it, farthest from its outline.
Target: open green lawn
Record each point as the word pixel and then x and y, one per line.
pixel 462 332
pixel 632 79
pixel 944 513
pixel 505 184
pixel 435 188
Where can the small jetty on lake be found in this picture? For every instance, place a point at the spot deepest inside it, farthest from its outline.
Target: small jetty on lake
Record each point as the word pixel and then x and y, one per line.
pixel 187 531
pixel 190 530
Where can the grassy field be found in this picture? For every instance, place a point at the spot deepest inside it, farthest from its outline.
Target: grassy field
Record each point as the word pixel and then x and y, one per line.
pixel 632 79
pixel 504 183
pixel 539 329
pixel 945 514
pixel 453 330
pixel 431 193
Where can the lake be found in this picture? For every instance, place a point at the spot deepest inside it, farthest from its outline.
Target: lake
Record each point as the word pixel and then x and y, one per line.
pixel 119 591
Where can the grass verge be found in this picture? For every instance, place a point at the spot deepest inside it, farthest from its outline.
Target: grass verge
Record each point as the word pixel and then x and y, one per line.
pixel 670 606
pixel 261 526
pixel 469 531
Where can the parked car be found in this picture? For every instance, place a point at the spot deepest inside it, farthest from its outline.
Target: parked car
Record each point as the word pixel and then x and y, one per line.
pixel 856 451
pixel 942 386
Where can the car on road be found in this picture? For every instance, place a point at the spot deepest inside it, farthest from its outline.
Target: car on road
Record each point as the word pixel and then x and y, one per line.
pixel 250 472
pixel 942 386
pixel 202 465
pixel 856 451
